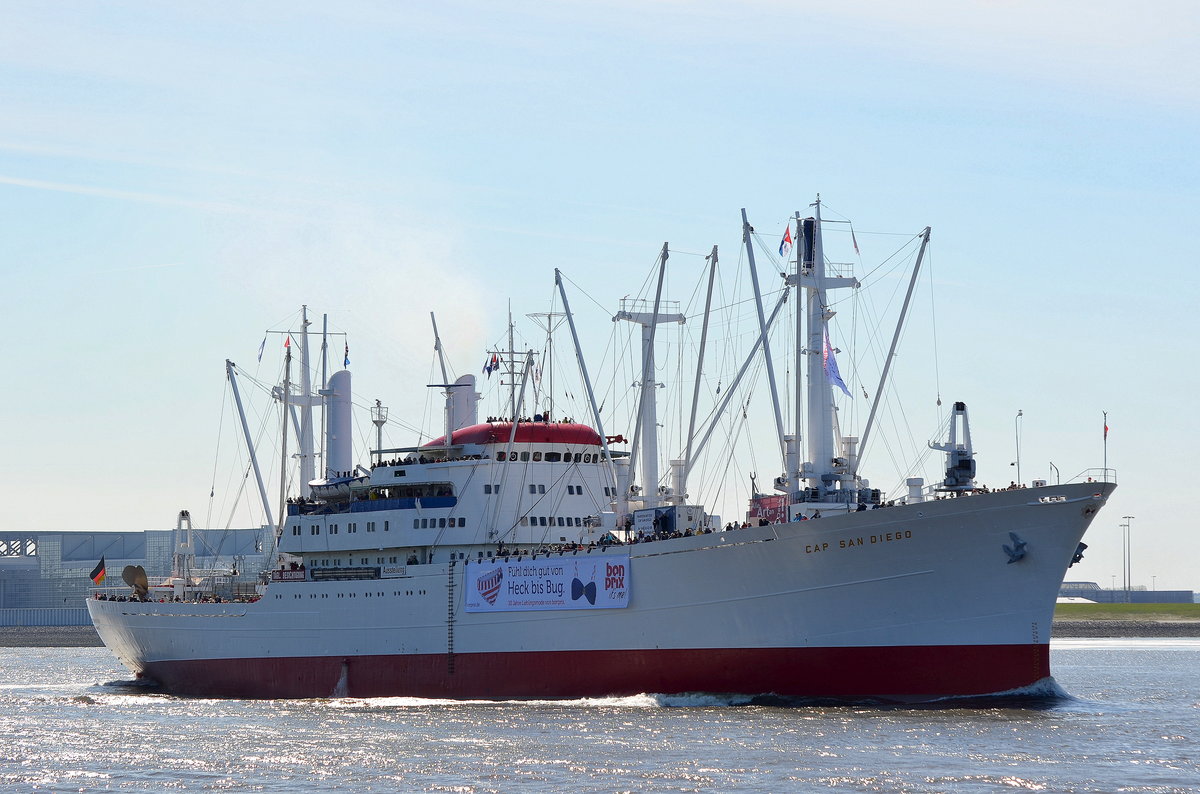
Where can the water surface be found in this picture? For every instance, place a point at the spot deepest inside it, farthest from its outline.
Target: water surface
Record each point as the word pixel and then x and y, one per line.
pixel 1131 723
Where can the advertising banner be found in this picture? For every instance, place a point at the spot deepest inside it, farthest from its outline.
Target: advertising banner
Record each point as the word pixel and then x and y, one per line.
pixel 593 581
pixel 773 508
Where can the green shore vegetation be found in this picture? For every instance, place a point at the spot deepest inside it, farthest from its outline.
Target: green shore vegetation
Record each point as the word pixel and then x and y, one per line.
pixel 1127 612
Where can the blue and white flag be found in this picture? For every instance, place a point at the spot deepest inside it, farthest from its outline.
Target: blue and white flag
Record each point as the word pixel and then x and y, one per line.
pixel 831 367
pixel 261 348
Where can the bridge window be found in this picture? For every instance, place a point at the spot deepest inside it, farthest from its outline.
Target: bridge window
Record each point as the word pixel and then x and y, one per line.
pixel 500 456
pixel 525 456
pixel 554 457
pixel 537 456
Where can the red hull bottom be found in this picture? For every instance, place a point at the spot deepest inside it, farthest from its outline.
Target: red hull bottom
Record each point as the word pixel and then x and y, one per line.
pixel 904 674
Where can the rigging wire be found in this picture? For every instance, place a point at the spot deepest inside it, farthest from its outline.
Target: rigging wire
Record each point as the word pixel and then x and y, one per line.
pixel 212 487
pixel 933 318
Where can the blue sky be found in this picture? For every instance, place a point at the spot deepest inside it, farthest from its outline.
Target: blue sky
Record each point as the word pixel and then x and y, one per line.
pixel 177 178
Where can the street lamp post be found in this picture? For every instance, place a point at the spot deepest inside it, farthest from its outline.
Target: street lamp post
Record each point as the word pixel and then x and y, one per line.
pixel 1017 434
pixel 1126 555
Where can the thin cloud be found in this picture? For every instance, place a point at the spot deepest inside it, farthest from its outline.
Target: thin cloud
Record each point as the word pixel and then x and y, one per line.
pixel 110 156
pixel 135 268
pixel 130 195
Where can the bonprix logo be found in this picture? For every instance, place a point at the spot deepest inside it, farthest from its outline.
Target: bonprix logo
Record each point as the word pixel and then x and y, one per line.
pixel 489 585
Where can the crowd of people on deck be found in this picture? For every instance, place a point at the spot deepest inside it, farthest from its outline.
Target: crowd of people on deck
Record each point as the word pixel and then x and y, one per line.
pixel 410 460
pixel 211 598
pixel 546 549
pixel 526 419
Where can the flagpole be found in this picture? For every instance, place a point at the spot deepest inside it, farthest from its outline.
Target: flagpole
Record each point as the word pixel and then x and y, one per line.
pixel 1105 445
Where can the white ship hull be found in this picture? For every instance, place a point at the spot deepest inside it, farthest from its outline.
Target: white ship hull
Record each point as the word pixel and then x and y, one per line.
pixel 904 603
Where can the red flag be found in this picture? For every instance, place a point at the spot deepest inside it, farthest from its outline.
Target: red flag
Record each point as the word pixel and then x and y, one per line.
pixel 287 342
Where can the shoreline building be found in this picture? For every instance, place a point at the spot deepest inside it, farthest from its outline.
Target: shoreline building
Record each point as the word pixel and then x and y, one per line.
pixel 45 577
pixel 1091 591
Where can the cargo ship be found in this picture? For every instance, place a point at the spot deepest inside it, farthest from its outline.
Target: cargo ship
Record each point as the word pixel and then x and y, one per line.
pixel 525 556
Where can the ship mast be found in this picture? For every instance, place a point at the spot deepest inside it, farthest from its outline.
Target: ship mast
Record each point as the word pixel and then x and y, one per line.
pixel 321 393
pixel 820 471
pixel 237 399
pixel 645 433
pixel 512 367
pixel 549 322
pixel 747 240
pixel 820 393
pixel 307 464
pixel 283 453
pixel 623 494
pixel 185 555
pixel 686 468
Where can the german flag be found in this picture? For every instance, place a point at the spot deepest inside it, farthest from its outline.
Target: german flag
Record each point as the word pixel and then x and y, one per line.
pixel 98 573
